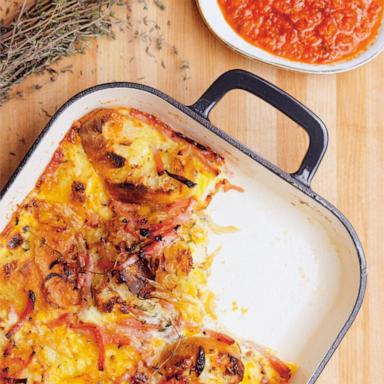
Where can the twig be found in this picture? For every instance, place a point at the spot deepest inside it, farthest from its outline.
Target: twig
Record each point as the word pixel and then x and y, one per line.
pixel 46 32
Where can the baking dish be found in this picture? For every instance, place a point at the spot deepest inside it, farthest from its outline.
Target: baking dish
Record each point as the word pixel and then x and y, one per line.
pixel 295 269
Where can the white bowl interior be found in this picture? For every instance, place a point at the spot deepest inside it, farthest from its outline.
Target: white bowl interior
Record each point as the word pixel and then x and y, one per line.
pixel 292 265
pixel 213 16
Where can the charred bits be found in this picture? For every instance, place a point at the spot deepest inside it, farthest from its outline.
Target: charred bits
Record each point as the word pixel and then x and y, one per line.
pixel 144 232
pixel 32 298
pixel 8 268
pixel 78 191
pixel 53 275
pixel 181 179
pixel 15 241
pixel 115 160
pixel 235 367
pixel 200 361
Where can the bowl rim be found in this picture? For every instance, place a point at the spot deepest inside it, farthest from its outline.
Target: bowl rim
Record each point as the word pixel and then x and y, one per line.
pixel 289 64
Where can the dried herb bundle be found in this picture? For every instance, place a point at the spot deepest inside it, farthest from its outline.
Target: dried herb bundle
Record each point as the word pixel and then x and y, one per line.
pixel 49 30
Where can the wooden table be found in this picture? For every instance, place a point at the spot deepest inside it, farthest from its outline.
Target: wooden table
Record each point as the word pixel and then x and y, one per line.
pixel 351 104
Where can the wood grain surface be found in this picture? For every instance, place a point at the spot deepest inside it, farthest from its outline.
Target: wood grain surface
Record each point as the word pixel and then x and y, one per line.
pixel 182 60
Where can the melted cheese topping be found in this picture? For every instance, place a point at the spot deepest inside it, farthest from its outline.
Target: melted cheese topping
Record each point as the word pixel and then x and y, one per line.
pixel 104 266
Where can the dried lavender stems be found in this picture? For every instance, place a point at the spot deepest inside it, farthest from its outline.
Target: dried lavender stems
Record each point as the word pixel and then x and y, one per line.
pixel 48 31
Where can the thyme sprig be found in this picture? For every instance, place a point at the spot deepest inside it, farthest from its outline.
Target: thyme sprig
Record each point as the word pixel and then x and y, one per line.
pixel 46 32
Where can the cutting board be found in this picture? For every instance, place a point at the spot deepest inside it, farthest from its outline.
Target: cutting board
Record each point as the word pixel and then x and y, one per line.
pixel 171 49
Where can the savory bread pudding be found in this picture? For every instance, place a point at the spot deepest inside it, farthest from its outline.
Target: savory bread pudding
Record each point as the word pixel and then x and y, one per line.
pixel 104 266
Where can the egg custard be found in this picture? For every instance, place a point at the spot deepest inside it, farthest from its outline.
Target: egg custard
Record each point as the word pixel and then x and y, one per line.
pixel 103 267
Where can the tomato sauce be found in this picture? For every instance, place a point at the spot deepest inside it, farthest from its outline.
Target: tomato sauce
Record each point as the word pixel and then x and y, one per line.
pixel 311 31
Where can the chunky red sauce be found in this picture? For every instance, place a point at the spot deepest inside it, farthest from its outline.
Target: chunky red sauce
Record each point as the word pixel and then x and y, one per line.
pixel 311 31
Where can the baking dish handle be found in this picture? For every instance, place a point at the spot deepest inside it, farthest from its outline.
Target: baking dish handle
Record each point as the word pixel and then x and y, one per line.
pixel 315 128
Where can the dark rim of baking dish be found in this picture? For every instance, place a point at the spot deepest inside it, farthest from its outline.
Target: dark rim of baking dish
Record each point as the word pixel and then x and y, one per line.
pixel 198 116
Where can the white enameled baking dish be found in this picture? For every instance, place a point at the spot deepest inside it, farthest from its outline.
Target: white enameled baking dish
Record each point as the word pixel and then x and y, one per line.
pixel 296 264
